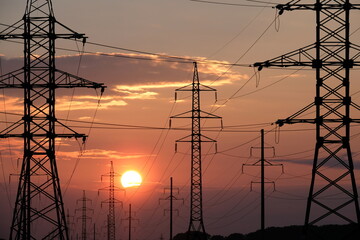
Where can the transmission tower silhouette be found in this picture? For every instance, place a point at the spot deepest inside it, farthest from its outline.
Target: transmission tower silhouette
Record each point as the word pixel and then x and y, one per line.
pixel 196 138
pixel 332 56
pixel 70 223
pixel 262 163
pixel 171 199
pixel 39 203
pixel 84 217
pixel 130 219
pixel 111 201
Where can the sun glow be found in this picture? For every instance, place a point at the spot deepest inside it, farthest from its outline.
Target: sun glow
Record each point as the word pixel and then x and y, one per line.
pixel 131 179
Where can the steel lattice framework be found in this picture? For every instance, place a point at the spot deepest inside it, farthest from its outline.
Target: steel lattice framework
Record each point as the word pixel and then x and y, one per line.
pixel 196 138
pixel 39 203
pixel 111 201
pixel 84 217
pixel 332 56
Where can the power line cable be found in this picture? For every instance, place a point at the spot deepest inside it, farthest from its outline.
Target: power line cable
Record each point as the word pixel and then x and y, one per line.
pixel 231 4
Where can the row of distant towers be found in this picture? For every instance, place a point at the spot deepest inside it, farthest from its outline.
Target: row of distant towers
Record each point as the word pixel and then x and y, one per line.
pixel 332 57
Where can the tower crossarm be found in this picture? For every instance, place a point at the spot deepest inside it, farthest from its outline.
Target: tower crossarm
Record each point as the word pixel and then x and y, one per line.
pixel 300 5
pixel 203 138
pixel 189 88
pixel 202 114
pixel 304 57
pixel 299 57
pixel 16 30
pixel 68 80
pixel 15 79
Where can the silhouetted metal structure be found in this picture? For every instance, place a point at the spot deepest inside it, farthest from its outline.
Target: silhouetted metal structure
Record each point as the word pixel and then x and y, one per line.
pixel 111 202
pixel 263 163
pixel 130 219
pixel 39 203
pixel 171 199
pixel 332 56
pixel 196 138
pixel 84 217
pixel 70 224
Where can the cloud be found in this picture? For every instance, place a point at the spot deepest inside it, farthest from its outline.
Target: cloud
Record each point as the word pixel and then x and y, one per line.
pixel 127 78
pixel 11 103
pixel 99 154
pixel 86 102
pixel 293 75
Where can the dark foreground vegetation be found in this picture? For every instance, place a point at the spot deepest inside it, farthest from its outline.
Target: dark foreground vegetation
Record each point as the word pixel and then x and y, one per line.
pixel 327 232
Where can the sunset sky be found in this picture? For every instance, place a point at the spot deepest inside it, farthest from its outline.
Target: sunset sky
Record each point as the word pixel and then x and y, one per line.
pixel 130 124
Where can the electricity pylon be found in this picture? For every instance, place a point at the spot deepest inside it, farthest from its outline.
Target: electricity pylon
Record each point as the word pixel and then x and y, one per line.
pixel 130 219
pixel 84 217
pixel 196 138
pixel 171 199
pixel 332 56
pixel 70 223
pixel 111 201
pixel 263 163
pixel 39 203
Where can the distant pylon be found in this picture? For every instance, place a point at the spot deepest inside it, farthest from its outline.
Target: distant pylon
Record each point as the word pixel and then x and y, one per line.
pixel 111 201
pixel 84 217
pixel 263 163
pixel 196 223
pixel 171 199
pixel 130 219
pixel 70 224
pixel 39 203
pixel 332 56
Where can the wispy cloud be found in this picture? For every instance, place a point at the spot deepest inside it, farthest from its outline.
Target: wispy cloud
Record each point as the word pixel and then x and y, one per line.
pixel 100 154
pixel 88 102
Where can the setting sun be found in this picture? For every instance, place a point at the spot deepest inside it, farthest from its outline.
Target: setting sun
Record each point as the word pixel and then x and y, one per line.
pixel 131 179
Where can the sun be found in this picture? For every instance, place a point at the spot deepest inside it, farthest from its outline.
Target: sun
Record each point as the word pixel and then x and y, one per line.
pixel 131 179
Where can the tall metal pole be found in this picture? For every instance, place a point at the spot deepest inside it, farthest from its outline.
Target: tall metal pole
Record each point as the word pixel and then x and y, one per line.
pixel 130 221
pixel 262 160
pixel 171 208
pixel 171 199
pixel 263 163
pixel 94 233
pixel 39 202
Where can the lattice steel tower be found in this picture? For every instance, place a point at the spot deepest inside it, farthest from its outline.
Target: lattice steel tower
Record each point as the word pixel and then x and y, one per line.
pixel 39 204
pixel 332 56
pixel 84 217
pixel 196 138
pixel 111 201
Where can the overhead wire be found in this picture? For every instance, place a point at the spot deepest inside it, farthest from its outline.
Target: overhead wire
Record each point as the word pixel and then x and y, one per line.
pixel 267 86
pixel 73 90
pixel 243 128
pixel 237 35
pixel 231 212
pixel 229 4
pixel 82 146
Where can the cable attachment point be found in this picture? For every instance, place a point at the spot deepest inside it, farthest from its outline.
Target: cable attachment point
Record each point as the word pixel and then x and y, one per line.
pixel 280 7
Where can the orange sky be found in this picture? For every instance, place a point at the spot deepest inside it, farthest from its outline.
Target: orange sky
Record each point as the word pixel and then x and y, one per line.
pixel 141 93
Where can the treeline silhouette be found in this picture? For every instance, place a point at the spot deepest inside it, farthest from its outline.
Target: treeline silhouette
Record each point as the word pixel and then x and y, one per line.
pixel 326 232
